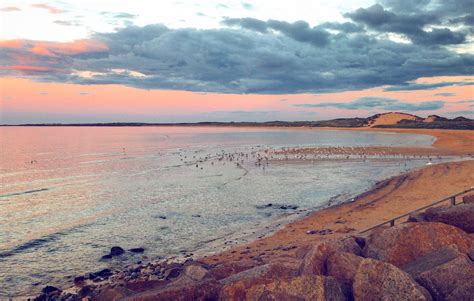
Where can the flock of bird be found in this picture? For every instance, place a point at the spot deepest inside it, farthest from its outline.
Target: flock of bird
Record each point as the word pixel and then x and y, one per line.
pixel 262 157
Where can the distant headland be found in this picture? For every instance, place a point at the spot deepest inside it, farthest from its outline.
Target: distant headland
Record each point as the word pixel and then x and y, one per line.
pixel 384 120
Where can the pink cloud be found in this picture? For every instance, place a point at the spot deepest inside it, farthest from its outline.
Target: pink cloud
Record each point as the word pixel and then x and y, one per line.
pixel 51 9
pixel 26 68
pixel 11 44
pixel 10 9
pixel 45 48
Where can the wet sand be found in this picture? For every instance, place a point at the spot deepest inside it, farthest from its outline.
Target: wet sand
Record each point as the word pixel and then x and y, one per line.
pixel 388 199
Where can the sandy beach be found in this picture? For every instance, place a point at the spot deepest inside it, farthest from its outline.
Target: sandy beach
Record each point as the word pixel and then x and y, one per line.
pixel 388 199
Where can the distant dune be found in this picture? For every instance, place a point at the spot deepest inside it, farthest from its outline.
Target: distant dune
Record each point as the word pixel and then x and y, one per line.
pixel 404 120
pixel 390 118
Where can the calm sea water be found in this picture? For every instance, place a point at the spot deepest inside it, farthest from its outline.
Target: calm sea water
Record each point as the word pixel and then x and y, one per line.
pixel 67 194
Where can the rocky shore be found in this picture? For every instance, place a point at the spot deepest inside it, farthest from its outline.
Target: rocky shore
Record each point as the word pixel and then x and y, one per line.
pixel 430 257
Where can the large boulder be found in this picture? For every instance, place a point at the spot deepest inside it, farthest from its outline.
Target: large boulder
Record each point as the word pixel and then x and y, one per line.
pixel 461 216
pixel 343 267
pixel 113 294
pixel 315 259
pixel 402 244
pixel 432 260
pixel 376 280
pixel 281 269
pixel 296 288
pixel 226 269
pixel 195 272
pixel 453 280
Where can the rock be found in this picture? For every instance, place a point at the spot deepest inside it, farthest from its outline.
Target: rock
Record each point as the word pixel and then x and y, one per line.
pixel 86 290
pixel 376 280
pixel 108 256
pixel 282 207
pixel 320 232
pixel 470 252
pixel 461 216
pixel 402 244
pixel 343 267
pixel 324 231
pixel 432 260
pixel 116 251
pixel 296 288
pixel 137 250
pixel 416 217
pixel 173 273
pixel 226 269
pixel 286 207
pixel 113 294
pixel 105 273
pixel 462 293
pixel 468 199
pixel 50 289
pixel 315 259
pixel 453 280
pixel 269 205
pixel 360 241
pixel 195 272
pixel 284 268
pixel 205 290
pixel 79 279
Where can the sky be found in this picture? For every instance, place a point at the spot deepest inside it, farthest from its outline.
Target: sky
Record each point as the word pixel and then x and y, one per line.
pixel 231 60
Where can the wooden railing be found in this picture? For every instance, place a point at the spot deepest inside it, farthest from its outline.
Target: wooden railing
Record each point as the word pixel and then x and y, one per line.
pixel 391 222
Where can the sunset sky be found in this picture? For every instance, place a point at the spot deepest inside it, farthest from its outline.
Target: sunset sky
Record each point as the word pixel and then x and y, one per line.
pixel 231 60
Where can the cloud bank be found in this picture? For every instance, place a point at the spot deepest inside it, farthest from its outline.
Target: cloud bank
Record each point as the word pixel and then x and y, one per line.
pixel 263 56
pixel 381 103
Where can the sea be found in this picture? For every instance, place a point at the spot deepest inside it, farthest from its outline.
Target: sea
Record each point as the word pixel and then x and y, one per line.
pixel 68 194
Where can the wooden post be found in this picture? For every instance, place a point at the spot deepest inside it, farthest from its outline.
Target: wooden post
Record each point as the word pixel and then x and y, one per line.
pixel 392 223
pixel 453 201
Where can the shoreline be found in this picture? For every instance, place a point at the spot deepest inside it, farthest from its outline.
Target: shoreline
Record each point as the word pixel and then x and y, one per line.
pixel 387 191
pixel 367 209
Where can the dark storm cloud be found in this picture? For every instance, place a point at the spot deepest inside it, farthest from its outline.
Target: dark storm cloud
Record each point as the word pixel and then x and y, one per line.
pixel 439 8
pixel 268 57
pixel 368 103
pixel 247 23
pixel 346 27
pixel 412 26
pixel 299 31
pixel 415 86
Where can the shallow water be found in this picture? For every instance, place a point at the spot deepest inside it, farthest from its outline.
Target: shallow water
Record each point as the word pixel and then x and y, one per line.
pixel 68 194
